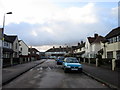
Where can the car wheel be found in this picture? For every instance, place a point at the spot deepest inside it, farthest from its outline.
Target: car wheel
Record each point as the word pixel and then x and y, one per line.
pixel 57 63
pixel 65 70
pixel 80 71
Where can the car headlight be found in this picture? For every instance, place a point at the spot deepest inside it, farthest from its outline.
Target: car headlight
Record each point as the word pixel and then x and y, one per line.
pixel 68 67
pixel 80 67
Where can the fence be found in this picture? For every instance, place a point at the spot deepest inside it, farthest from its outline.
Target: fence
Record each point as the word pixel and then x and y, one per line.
pixel 117 62
pixel 16 61
pixel 6 62
pixel 109 63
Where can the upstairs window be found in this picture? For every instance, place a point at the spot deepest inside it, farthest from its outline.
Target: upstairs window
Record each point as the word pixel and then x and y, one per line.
pixel 16 46
pixel 21 49
pixel 115 39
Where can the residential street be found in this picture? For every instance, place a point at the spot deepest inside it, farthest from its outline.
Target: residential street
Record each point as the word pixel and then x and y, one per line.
pixel 59 44
pixel 51 75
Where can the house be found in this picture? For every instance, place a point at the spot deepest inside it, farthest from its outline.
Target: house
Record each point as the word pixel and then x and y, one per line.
pixel 55 52
pixel 96 46
pixel 80 49
pixel 42 55
pixel 7 51
pixel 111 47
pixel 23 51
pixel 15 47
pixel 93 45
pixel 34 54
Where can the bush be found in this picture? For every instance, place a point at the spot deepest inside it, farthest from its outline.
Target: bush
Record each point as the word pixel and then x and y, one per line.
pixel 93 60
pixel 107 61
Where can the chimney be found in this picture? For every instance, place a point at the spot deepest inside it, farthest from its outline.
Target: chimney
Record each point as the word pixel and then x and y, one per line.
pixel 78 44
pixel 95 35
pixel 81 42
pixel 60 47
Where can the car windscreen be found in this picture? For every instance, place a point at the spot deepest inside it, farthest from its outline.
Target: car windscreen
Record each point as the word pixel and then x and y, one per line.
pixel 72 60
pixel 61 58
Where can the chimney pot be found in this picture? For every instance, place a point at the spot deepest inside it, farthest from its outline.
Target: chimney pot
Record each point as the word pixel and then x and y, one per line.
pixel 95 35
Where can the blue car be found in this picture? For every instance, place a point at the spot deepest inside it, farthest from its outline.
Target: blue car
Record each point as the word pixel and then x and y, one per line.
pixel 60 60
pixel 71 64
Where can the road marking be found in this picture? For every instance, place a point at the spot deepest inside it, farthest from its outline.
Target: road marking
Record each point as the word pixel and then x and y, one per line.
pixel 37 76
pixel 31 69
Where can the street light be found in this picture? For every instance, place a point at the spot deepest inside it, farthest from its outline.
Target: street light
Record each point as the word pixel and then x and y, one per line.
pixel 1 56
pixel 4 20
pixel 1 49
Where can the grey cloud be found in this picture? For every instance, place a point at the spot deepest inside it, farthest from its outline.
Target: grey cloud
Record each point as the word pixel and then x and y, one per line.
pixel 64 32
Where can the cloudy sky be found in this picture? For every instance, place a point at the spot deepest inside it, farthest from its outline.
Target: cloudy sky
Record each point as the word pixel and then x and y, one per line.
pixel 44 23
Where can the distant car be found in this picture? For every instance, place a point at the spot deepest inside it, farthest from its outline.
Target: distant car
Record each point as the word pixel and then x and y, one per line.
pixel 60 60
pixel 71 64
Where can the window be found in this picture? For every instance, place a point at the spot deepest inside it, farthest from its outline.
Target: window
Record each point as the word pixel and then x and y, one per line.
pixel 111 40
pixel 118 54
pixel 16 46
pixel 6 44
pixel 115 39
pixel 6 55
pixel 119 38
pixel 21 49
pixel 110 54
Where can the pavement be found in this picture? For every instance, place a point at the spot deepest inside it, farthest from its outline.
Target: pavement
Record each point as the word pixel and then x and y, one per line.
pixel 106 76
pixel 13 72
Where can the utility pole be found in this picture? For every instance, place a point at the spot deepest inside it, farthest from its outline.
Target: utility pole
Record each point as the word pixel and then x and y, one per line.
pixel 1 38
pixel 1 48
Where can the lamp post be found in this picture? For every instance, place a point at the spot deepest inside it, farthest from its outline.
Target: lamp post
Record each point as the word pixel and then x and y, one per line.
pixel 4 20
pixel 1 50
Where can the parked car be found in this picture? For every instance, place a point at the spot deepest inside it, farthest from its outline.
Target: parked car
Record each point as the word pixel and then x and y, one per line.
pixel 71 64
pixel 60 60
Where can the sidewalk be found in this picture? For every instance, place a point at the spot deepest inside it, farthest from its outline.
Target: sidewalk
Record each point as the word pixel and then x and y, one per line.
pixel 10 73
pixel 103 75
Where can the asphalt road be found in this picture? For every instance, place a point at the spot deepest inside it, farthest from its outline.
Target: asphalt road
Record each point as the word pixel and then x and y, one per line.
pixel 51 75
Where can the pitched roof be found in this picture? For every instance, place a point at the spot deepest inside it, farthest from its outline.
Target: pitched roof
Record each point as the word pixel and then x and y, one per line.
pixel 91 39
pixel 98 39
pixel 113 33
pixel 6 38
pixel 9 38
pixel 59 49
pixel 33 49
pixel 23 42
pixel 12 38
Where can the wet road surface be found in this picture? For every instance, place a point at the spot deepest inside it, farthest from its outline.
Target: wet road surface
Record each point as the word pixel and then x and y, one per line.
pixel 51 75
